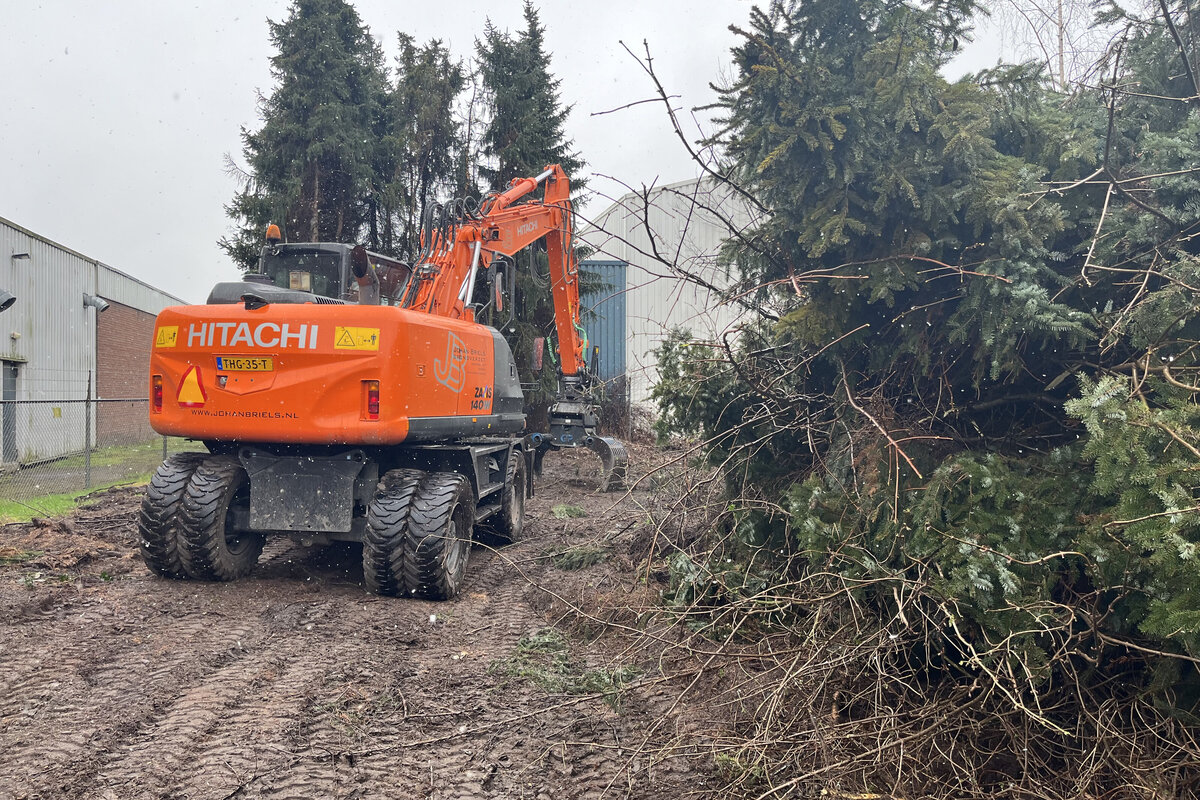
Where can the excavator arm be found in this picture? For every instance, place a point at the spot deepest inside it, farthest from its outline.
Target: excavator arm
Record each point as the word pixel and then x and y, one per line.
pixel 458 250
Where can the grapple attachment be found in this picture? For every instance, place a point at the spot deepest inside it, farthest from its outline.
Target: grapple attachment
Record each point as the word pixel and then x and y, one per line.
pixel 614 461
pixel 573 423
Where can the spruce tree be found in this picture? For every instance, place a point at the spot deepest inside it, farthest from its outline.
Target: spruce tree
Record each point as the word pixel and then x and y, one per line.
pixel 310 164
pixel 420 143
pixel 980 370
pixel 524 133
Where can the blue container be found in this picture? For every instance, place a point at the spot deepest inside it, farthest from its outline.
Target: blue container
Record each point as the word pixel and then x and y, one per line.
pixel 604 314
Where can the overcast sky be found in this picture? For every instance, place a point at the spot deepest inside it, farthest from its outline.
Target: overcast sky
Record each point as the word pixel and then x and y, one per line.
pixel 115 118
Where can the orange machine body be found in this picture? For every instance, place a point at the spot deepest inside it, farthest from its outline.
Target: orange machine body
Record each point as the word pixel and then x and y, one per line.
pixel 306 373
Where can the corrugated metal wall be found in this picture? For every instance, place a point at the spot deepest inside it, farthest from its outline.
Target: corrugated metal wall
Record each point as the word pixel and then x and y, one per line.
pixel 687 236
pixel 604 315
pixel 51 335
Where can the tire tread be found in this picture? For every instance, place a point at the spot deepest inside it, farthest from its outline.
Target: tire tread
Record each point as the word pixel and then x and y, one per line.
pixel 387 524
pixel 161 541
pixel 440 496
pixel 203 524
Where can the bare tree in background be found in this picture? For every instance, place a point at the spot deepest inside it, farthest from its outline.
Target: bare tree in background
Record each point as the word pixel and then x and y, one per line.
pixel 1058 33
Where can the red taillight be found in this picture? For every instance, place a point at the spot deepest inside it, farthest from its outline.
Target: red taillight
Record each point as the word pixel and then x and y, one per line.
pixel 372 399
pixel 156 394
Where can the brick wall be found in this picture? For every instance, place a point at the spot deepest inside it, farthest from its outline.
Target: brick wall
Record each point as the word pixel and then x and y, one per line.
pixel 123 339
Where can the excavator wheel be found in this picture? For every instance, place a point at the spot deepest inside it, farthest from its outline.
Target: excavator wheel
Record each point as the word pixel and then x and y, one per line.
pixel 507 524
pixel 387 524
pixel 158 523
pixel 438 540
pixel 216 551
pixel 614 461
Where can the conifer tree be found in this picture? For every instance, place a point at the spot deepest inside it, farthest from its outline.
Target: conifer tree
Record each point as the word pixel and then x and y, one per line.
pixel 310 164
pixel 981 359
pixel 420 142
pixel 524 132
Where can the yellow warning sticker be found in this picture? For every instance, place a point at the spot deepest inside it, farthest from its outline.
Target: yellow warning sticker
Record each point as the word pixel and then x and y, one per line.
pixel 355 338
pixel 166 336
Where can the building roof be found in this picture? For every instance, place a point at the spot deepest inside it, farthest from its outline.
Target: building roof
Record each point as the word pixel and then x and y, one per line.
pixel 113 270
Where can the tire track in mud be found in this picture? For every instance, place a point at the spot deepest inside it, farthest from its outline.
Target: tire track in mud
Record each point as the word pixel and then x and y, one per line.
pixel 294 683
pixel 95 698
pixel 239 723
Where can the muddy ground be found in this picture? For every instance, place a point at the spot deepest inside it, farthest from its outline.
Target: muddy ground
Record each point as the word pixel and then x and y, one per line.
pixel 540 681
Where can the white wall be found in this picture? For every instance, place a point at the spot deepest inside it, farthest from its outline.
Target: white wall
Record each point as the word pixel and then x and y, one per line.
pixel 687 223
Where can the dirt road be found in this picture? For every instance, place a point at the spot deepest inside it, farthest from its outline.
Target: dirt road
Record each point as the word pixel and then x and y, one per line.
pixel 295 683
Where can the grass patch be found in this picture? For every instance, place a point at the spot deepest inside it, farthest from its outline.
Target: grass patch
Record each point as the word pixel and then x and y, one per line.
pixel 122 454
pixel 573 558
pixel 56 505
pixel 565 511
pixel 543 658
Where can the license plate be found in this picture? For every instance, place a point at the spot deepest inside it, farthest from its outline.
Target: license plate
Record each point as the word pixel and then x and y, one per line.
pixel 244 364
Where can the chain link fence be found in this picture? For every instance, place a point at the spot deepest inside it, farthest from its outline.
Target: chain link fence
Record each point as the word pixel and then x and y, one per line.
pixel 56 449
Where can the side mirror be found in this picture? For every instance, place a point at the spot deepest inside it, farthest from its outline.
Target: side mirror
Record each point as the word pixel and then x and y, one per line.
pixel 364 276
pixel 6 300
pixel 359 263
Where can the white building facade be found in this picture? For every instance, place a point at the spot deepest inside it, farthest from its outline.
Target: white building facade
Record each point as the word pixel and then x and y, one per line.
pixel 657 254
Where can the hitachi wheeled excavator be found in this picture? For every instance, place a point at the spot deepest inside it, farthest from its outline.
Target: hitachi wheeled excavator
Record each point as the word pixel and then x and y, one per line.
pixel 342 395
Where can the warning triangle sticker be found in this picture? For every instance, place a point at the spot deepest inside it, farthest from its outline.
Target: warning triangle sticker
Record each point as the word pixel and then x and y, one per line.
pixel 346 340
pixel 191 390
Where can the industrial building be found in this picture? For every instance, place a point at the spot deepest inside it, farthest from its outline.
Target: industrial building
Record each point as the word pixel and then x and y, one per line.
pixel 646 245
pixel 74 350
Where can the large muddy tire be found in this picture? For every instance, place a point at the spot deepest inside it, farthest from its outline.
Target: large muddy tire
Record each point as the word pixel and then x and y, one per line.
pixel 383 547
pixel 507 524
pixel 216 551
pixel 438 541
pixel 158 523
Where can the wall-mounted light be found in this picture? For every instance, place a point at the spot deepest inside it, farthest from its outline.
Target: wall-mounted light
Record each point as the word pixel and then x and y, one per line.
pixel 20 256
pixel 98 303
pixel 6 299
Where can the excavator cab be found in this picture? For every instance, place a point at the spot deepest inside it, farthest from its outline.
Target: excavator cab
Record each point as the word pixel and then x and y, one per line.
pixel 323 269
pixel 317 272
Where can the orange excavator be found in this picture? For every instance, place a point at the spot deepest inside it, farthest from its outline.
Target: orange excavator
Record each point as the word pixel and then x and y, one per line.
pixel 343 395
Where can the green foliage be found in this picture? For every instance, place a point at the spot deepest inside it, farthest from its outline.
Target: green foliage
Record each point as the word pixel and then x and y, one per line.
pixel 980 548
pixel 1148 469
pixel 543 658
pixel 525 131
pixel 310 164
pixel 420 142
pixel 581 557
pixel 523 134
pixel 939 275
pixel 567 511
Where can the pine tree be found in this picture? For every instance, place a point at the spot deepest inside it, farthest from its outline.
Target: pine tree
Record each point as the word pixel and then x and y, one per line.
pixel 420 144
pixel 310 163
pixel 524 133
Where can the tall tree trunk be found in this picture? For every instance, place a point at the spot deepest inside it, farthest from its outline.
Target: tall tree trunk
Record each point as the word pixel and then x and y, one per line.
pixel 314 231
